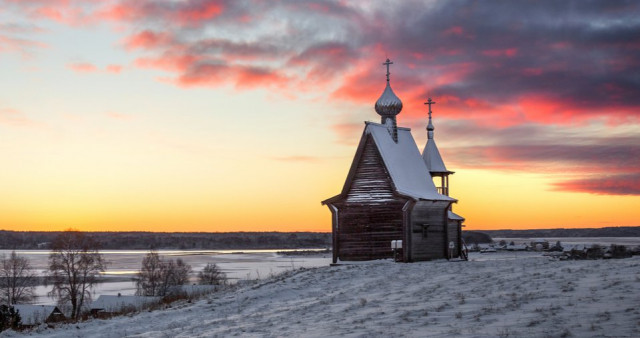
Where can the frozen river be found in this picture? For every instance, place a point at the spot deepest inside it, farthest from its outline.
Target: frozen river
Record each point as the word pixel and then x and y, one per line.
pixel 247 264
pixel 123 265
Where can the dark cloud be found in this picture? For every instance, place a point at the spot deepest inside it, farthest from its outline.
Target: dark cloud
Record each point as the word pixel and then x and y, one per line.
pixel 583 56
pixel 607 185
pixel 603 164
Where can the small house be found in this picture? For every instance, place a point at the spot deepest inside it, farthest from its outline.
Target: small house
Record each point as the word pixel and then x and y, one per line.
pixel 539 244
pixel 32 315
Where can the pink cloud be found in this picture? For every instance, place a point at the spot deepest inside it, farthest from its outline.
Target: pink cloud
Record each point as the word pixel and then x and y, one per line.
pixel 508 52
pixel 455 30
pixel 82 67
pixel 628 184
pixel 202 10
pixel 25 47
pixel 189 13
pixel 347 133
pixel 213 75
pixel 14 117
pixel 147 39
pixel 118 116
pixel 116 69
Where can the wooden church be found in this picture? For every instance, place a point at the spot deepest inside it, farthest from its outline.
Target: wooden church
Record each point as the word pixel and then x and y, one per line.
pixel 390 195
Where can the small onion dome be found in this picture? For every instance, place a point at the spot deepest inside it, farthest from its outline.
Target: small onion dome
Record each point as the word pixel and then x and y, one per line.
pixel 388 104
pixel 430 128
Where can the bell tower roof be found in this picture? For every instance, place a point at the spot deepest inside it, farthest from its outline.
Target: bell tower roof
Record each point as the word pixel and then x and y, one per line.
pixel 431 154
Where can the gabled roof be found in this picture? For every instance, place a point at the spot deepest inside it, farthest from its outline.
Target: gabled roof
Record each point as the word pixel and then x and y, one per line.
pixel 432 158
pixel 35 314
pixel 403 162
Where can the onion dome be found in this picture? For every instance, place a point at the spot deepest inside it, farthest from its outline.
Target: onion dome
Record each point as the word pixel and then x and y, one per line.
pixel 388 105
pixel 430 127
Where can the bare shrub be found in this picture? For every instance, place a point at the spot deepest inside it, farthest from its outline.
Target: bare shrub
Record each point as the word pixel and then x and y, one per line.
pixel 212 275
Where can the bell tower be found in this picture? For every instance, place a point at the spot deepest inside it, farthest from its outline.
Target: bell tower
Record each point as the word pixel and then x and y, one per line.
pixel 432 158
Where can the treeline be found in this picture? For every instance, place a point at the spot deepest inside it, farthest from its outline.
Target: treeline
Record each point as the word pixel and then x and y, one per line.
pixel 24 240
pixel 475 237
pixel 584 232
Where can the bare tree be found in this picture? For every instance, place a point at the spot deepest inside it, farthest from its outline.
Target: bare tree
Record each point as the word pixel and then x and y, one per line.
pixel 157 277
pixel 212 275
pixel 75 264
pixel 149 281
pixel 179 272
pixel 17 279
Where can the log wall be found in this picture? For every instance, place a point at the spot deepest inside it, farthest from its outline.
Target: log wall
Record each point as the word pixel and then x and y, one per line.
pixel 428 230
pixel 371 183
pixel 371 215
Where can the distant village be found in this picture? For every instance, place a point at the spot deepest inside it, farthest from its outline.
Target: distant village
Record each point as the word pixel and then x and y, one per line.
pixel 559 250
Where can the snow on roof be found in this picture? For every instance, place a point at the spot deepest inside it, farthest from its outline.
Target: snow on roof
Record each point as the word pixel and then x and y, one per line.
pixel 432 158
pixel 114 303
pixel 454 216
pixel 34 314
pixel 408 171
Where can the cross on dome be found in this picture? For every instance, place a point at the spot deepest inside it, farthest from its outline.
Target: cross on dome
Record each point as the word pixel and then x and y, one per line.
pixel 387 63
pixel 430 127
pixel 430 102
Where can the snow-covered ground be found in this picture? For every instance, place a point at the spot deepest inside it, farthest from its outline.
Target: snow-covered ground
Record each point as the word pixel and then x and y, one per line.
pixel 509 295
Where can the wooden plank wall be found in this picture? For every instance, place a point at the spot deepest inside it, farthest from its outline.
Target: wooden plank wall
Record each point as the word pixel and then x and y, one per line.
pixel 429 245
pixel 366 231
pixel 371 215
pixel 371 183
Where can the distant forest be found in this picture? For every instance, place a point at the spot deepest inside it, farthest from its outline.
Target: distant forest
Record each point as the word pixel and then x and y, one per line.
pixel 24 240
pixel 584 232
pixel 10 240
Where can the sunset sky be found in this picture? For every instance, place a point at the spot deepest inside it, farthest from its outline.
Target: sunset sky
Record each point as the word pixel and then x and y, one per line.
pixel 196 115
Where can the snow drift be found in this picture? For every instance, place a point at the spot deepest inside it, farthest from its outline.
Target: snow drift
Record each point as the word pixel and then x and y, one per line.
pixel 508 295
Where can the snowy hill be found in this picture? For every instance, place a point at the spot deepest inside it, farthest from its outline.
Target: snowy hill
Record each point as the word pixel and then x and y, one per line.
pixel 506 295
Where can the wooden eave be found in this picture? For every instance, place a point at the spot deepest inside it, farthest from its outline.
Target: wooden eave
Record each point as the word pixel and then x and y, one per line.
pixel 333 199
pixel 440 173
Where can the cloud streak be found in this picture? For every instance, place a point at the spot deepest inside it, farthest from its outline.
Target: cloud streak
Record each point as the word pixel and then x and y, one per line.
pixel 16 118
